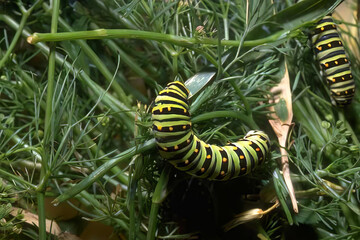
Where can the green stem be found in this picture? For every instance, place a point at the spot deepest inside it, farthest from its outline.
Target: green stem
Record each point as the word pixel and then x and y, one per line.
pixel 232 114
pixel 45 173
pixel 51 82
pixel 146 35
pixel 136 34
pixel 158 197
pixel 153 221
pixel 132 233
pixel 135 174
pixel 41 213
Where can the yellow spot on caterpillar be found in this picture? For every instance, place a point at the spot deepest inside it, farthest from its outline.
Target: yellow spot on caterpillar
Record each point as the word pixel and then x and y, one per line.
pixel 243 169
pixel 322 28
pixel 242 157
pixel 184 110
pixel 165 149
pixel 202 169
pixel 161 110
pixel 340 43
pixel 329 45
pixel 319 48
pixel 333 25
pixel 208 156
pixel 176 147
pixel 159 128
pixel 326 65
pixel 235 148
pixel 345 60
pixel 184 127
pixel 334 80
pixel 346 92
pixel 343 78
pixel 222 172
pixel 171 128
pixel 261 158
pixel 196 150
pixel 336 62
pixel 188 141
pixel 224 159
pixel 350 76
pixel 169 109
pixel 186 162
pixel 257 149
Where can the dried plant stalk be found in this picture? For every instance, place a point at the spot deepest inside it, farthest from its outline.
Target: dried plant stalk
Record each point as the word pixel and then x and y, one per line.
pixel 281 120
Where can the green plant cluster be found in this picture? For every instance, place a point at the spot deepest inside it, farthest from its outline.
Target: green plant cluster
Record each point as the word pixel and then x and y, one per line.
pixel 75 117
pixel 10 224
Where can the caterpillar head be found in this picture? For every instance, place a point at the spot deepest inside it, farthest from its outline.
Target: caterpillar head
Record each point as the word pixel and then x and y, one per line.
pixel 255 133
pixel 258 134
pixel 179 87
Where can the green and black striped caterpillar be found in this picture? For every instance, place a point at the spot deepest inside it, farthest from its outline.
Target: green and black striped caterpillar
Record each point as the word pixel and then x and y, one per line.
pixel 331 54
pixel 178 144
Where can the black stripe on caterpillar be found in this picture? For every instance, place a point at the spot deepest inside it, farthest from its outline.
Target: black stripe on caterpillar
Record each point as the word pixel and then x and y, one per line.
pixel 182 148
pixel 331 54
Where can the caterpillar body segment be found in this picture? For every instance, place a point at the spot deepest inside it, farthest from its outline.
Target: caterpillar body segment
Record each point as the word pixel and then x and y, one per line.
pixel 178 144
pixel 331 54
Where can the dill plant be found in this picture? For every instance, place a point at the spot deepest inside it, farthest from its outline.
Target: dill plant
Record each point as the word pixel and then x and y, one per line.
pixel 75 117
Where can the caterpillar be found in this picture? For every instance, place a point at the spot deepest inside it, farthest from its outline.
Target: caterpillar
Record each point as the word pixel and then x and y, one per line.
pixel 179 145
pixel 330 52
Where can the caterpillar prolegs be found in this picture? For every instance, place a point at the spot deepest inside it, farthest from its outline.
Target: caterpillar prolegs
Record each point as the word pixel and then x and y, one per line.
pixel 331 54
pixel 179 145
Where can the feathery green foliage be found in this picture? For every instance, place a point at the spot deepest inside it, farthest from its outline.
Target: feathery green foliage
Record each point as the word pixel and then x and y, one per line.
pixel 76 127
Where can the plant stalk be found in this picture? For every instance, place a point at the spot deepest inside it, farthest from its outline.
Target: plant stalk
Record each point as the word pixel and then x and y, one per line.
pixel 160 194
pixel 45 172
pixel 146 35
